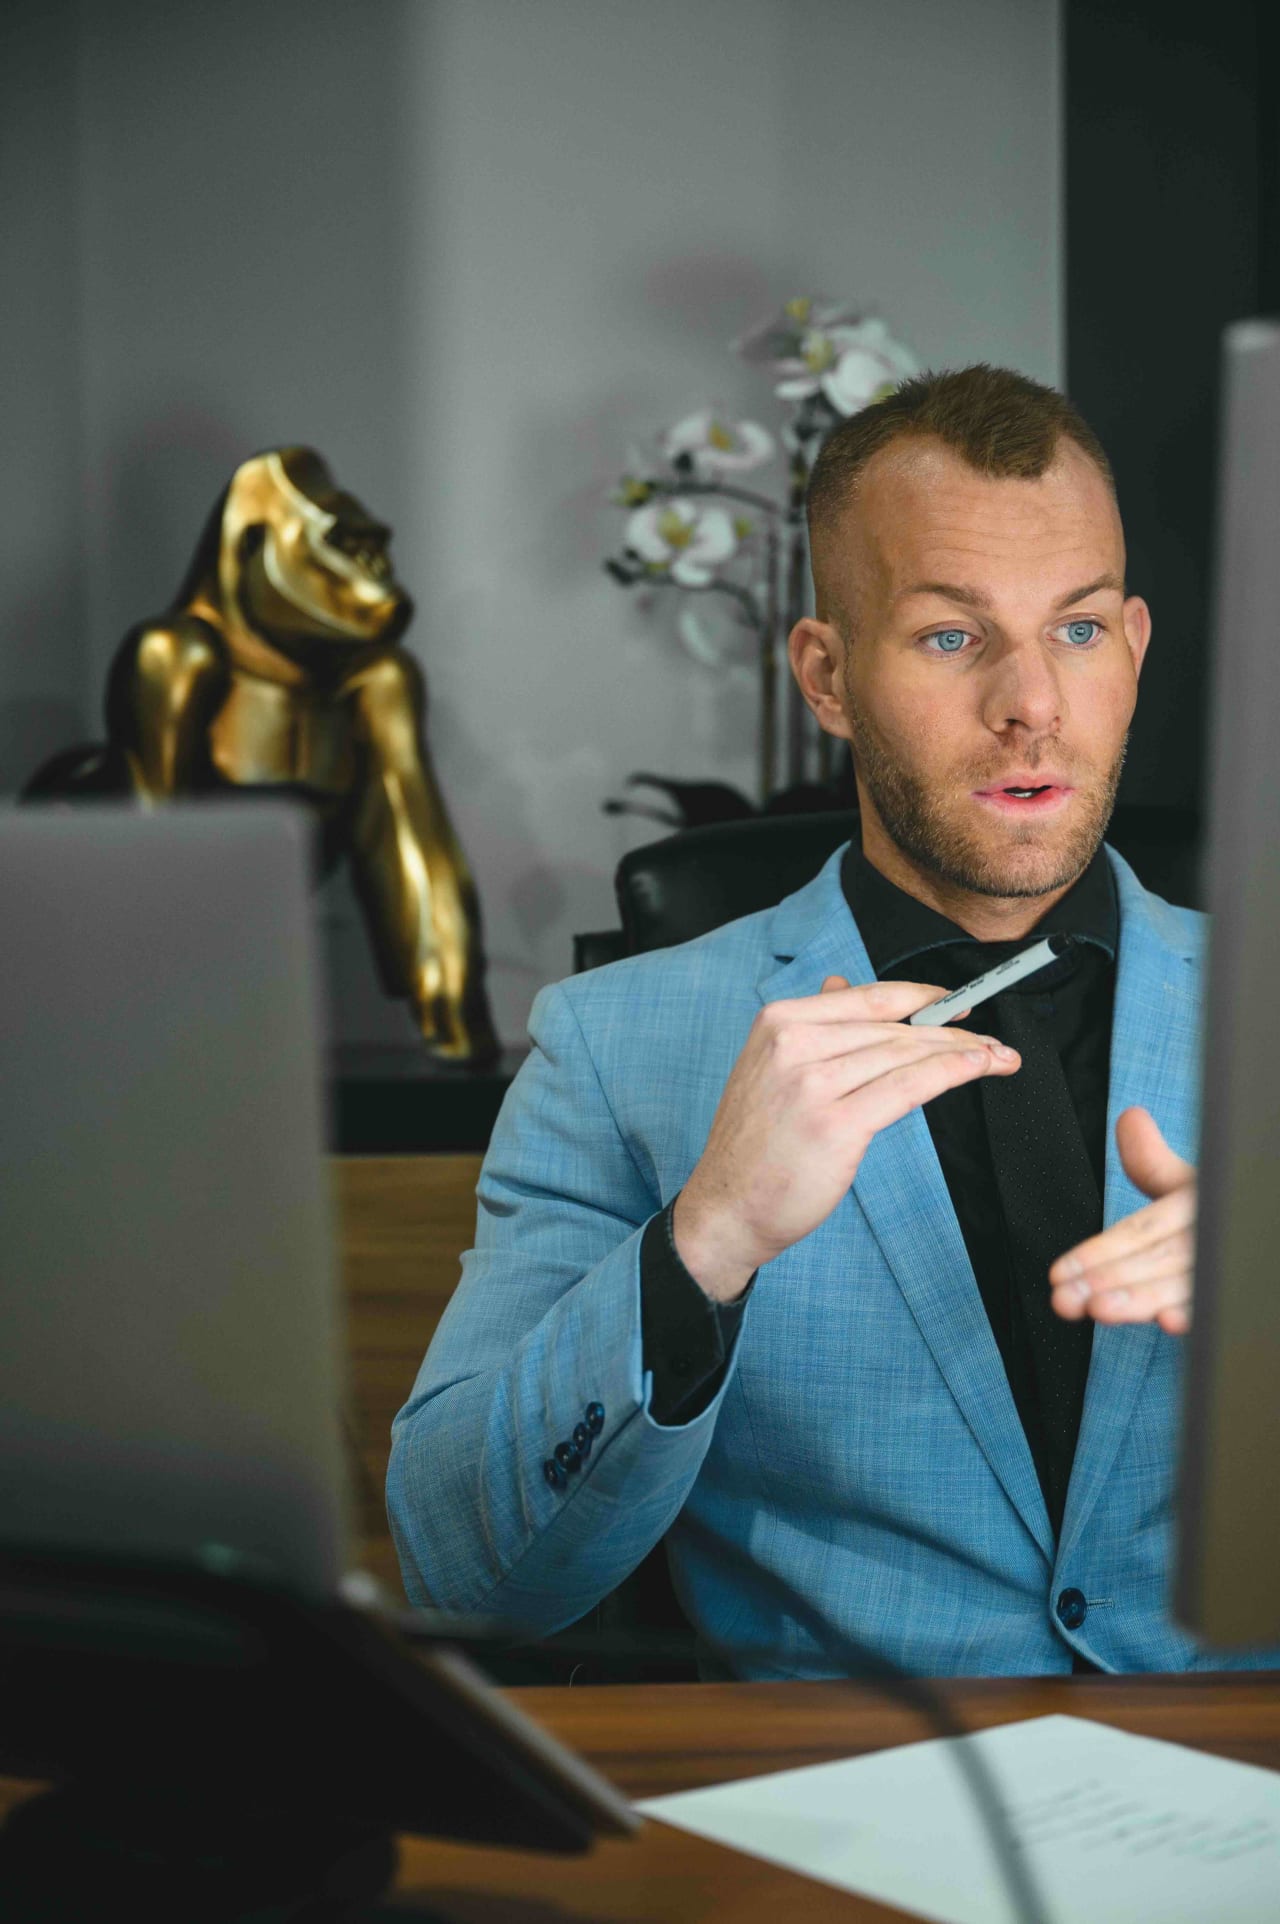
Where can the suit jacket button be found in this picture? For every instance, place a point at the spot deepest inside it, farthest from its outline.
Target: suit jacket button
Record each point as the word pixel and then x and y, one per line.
pixel 1072 1608
pixel 554 1474
pixel 566 1456
pixel 582 1439
pixel 595 1418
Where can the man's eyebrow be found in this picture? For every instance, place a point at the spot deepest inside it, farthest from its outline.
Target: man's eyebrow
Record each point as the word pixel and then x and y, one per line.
pixel 1091 588
pixel 978 598
pixel 971 597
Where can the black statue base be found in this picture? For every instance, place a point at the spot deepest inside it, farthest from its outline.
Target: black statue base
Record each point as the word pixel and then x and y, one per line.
pixel 392 1099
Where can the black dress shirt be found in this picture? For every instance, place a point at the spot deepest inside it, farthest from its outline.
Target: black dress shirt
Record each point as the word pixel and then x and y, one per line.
pixel 688 1339
pixel 1073 999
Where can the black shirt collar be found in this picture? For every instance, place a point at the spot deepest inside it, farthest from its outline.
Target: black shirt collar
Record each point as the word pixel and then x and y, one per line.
pixel 895 926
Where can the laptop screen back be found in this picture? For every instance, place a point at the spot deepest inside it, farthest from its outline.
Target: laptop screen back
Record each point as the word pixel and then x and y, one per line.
pixel 170 1371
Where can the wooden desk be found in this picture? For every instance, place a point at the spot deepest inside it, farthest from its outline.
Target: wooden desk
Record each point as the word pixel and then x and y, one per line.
pixel 651 1738
pixel 662 1737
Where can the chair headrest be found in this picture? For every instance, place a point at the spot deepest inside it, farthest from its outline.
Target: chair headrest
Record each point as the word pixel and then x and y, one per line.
pixel 672 890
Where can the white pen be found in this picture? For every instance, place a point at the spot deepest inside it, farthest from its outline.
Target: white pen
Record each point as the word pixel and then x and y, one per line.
pixel 983 987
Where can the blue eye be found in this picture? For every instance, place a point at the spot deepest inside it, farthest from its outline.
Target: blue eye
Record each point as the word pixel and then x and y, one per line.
pixel 957 635
pixel 1082 631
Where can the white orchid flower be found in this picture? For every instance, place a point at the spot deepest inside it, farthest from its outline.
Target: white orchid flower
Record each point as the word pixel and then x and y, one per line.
pixel 849 365
pixel 684 538
pixel 718 445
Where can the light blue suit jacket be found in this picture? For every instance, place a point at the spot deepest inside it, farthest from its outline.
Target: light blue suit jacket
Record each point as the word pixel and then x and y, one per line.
pixel 864 1454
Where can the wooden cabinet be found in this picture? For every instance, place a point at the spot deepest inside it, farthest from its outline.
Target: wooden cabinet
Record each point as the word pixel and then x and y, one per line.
pixel 403 1224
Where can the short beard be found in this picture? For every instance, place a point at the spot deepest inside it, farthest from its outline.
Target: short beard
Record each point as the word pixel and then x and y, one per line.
pixel 916 822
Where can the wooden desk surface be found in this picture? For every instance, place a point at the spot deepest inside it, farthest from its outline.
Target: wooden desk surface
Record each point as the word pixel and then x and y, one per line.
pixel 654 1738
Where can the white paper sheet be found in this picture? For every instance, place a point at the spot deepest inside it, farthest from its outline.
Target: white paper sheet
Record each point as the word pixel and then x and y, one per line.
pixel 1114 1829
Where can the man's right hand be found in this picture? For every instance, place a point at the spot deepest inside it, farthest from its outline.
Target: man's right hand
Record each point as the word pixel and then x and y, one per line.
pixel 816 1079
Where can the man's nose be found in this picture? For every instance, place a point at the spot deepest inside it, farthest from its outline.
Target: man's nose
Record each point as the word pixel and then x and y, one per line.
pixel 1023 687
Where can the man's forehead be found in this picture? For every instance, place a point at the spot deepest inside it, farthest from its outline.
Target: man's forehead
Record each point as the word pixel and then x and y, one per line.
pixel 923 515
pixel 975 595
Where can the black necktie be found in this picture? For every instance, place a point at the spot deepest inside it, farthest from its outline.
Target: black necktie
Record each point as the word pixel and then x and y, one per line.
pixel 1050 1198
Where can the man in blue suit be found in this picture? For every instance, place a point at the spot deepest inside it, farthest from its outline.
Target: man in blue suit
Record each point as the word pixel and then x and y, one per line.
pixel 875 1323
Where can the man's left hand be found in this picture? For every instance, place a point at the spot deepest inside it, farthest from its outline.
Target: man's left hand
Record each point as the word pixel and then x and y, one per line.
pixel 1139 1270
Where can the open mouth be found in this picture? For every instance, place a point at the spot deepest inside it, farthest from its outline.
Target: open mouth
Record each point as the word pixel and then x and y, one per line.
pixel 1026 801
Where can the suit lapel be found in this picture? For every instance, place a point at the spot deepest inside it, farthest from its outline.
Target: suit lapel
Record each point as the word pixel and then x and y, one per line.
pixel 902 1193
pixel 903 1197
pixel 1155 1062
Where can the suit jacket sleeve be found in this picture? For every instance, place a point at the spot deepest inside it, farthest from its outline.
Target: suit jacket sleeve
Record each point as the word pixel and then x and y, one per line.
pixel 545 1322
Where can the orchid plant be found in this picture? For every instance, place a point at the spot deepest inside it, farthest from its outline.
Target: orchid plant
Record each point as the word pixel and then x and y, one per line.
pixel 695 524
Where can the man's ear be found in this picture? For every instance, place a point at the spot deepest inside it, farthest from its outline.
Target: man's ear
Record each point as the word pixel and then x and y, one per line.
pixel 1137 630
pixel 815 651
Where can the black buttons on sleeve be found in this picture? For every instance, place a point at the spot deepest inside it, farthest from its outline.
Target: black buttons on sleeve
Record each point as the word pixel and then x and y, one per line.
pixel 567 1458
pixel 1072 1608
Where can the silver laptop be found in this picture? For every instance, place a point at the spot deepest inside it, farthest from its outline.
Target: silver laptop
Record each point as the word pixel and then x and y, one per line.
pixel 170 1376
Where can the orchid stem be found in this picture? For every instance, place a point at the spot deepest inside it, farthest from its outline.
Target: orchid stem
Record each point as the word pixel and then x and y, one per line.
pixel 730 493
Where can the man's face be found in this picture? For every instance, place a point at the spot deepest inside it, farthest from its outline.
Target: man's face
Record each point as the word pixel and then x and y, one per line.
pixel 982 634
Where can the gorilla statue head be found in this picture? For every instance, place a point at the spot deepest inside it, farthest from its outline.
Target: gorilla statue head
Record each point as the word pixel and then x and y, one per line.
pixel 295 562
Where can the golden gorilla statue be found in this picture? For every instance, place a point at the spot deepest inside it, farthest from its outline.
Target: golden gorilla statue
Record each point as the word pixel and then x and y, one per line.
pixel 277 667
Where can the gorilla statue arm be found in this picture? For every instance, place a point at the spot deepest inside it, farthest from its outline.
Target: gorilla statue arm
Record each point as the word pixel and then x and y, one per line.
pixel 408 865
pixel 167 681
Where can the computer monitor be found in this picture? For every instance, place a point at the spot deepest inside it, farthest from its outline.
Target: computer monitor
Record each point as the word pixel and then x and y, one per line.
pixel 1227 1585
pixel 175 1617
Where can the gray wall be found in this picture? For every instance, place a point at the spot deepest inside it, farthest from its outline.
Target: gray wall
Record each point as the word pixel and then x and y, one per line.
pixel 45 700
pixel 473 250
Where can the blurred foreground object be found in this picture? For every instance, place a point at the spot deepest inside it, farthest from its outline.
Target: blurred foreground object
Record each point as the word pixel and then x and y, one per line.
pixel 277 668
